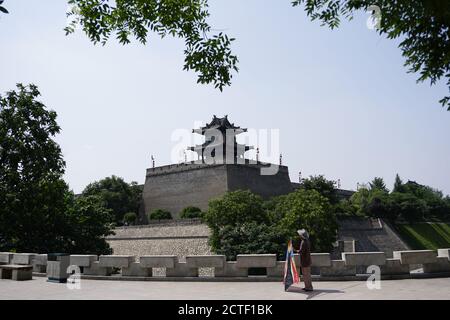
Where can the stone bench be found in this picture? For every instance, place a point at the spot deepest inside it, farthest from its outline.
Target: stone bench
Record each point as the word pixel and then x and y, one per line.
pixel 442 264
pixel 82 261
pixel 267 261
pixel 181 269
pixel 39 263
pixel 338 268
pixel 5 257
pixel 320 260
pixel 147 263
pixel 364 258
pixel 211 261
pixel 256 261
pixel 394 267
pixel 230 269
pixel 165 261
pixel 416 256
pixel 105 264
pixel 16 272
pixel 23 258
pixel 444 253
pixel 135 269
pixel 96 270
pixel 115 261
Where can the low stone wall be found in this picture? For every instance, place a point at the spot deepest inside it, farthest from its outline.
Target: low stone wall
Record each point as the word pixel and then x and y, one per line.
pixel 145 266
pixel 180 238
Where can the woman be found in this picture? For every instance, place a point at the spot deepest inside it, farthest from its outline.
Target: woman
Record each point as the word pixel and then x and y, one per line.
pixel 305 259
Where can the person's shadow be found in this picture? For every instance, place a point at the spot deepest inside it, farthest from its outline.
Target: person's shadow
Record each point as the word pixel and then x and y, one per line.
pixel 312 294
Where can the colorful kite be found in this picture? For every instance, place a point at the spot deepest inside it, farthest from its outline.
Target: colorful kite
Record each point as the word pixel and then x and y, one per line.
pixel 290 270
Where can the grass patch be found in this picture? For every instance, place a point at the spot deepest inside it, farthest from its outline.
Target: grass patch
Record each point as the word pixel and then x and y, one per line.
pixel 420 236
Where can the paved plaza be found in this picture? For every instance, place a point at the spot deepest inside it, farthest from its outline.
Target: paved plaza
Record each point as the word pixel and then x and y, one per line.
pixel 39 288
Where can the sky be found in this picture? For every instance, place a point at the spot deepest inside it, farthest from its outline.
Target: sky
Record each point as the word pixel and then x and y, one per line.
pixel 343 103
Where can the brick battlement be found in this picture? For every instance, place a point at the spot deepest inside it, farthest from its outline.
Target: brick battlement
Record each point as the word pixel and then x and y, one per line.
pixel 175 168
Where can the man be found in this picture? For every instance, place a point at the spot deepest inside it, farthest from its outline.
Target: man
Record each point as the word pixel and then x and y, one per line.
pixel 305 259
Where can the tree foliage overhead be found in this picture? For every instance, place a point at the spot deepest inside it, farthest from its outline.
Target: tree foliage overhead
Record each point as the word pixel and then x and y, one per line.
pixel 2 9
pixel 422 26
pixel 209 56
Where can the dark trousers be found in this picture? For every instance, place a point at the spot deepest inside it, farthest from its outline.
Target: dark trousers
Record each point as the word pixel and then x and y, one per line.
pixel 306 274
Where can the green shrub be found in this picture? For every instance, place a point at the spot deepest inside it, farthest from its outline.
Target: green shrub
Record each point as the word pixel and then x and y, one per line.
pixel 160 214
pixel 130 218
pixel 191 213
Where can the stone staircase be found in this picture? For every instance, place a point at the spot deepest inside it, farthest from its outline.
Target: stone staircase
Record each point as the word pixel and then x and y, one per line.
pixel 370 234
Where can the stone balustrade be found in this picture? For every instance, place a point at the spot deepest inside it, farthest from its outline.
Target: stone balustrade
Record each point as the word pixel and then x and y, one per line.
pixel 84 261
pixel 22 258
pixel 131 266
pixel 416 256
pixel 5 257
pixel 364 258
pixel 39 263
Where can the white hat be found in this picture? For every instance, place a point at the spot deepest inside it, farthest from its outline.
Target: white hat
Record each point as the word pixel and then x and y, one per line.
pixel 303 233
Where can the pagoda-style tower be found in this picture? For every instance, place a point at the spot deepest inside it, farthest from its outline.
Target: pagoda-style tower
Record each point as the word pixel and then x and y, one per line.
pixel 220 144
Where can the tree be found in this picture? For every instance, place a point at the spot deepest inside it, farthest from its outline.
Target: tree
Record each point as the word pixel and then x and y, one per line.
pixel 310 210
pixel 326 188
pixel 241 222
pixel 408 206
pixel 360 200
pixel 209 56
pixel 191 213
pixel 398 184
pixel 250 238
pixel 32 193
pixel 90 222
pixel 378 204
pixel 378 184
pixel 160 214
pixel 119 196
pixel 422 26
pixel 130 218
pixel 232 210
pixel 434 199
pixel 38 213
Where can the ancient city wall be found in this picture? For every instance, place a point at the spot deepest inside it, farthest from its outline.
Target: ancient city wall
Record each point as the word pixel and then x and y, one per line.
pixel 176 187
pixel 248 177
